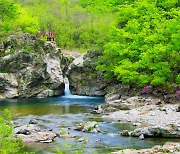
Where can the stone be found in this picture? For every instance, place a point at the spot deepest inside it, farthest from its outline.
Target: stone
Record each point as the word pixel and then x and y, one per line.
pixel 42 137
pixel 33 121
pixel 141 137
pixel 178 109
pixel 124 133
pixel 156 132
pixel 26 129
pixel 89 126
pixel 82 139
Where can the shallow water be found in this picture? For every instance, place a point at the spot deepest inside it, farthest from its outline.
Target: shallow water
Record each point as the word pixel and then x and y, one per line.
pixel 66 112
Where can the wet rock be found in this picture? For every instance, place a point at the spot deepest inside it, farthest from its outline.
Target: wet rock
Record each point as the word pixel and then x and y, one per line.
pixel 141 137
pixel 178 109
pixel 42 137
pixel 98 110
pixel 124 133
pixel 90 126
pixel 33 121
pixel 26 129
pixel 155 132
pixel 82 139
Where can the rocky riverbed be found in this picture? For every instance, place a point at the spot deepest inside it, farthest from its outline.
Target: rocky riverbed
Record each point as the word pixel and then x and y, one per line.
pixel 151 117
pixel 166 148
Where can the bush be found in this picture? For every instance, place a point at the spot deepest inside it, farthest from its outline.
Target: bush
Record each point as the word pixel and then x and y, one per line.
pixel 8 142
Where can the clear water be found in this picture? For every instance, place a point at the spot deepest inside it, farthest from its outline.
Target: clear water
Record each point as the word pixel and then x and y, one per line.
pixel 68 111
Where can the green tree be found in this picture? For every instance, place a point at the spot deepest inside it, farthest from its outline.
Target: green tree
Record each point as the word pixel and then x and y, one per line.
pixel 8 10
pixel 8 143
pixel 144 46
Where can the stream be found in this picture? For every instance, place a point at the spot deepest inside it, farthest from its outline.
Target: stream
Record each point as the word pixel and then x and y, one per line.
pixel 68 111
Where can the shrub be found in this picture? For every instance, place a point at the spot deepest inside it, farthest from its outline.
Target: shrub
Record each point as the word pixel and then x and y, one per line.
pixel 8 142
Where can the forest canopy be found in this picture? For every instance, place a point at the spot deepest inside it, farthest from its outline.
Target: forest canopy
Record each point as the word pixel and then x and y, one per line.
pixel 144 46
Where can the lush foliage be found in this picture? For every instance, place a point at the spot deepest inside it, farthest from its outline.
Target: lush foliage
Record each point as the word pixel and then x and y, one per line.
pixel 8 143
pixel 8 12
pixel 144 46
pixel 15 18
pixel 78 24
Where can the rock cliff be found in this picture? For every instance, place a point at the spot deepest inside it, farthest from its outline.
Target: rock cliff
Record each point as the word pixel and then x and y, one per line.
pixel 30 68
pixel 83 77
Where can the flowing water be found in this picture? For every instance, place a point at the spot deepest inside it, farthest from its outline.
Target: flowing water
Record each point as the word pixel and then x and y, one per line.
pixel 68 111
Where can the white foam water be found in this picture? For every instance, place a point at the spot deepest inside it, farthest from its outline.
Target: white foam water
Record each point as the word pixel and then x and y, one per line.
pixel 68 93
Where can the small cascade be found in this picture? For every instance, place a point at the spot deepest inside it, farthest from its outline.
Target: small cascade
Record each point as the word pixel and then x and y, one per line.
pixel 69 96
pixel 67 91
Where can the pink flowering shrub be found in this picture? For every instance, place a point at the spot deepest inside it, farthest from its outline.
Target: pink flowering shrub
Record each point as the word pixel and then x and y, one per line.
pixel 177 92
pixel 146 90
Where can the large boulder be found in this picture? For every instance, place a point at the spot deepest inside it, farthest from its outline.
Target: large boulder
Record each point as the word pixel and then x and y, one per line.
pixel 26 129
pixel 88 126
pixel 83 77
pixel 42 137
pixel 156 132
pixel 35 67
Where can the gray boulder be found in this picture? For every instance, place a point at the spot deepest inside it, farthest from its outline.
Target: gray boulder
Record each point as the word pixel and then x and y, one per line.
pixel 26 129
pixel 155 132
pixel 33 121
pixel 42 137
pixel 125 133
pixel 90 126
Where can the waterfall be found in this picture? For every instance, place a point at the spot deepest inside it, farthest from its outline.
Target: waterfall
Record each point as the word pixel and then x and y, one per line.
pixel 68 94
pixel 67 91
